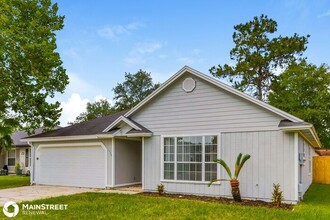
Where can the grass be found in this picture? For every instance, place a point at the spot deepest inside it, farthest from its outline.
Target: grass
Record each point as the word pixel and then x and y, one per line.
pixel 316 205
pixel 14 181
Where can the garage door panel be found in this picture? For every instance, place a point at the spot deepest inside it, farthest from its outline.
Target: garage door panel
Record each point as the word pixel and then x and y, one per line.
pixel 71 166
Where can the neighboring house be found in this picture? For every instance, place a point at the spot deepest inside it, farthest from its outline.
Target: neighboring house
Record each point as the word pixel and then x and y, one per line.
pixel 173 136
pixel 20 153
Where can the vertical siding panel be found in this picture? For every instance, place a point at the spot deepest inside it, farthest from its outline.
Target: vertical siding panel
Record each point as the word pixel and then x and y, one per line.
pixel 281 152
pixel 262 165
pixel 242 145
pixel 256 163
pixel 285 156
pixel 273 162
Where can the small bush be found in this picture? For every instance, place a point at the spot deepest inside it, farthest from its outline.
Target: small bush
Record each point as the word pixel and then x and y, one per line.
pixel 277 195
pixel 161 189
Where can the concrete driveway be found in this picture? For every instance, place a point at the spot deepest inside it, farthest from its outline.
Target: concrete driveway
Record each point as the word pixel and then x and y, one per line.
pixel 28 193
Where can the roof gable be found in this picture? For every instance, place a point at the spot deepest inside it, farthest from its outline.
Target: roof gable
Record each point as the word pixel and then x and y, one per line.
pixel 217 83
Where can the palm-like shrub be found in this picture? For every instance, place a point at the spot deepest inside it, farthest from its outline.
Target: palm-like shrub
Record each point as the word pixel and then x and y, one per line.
pixel 234 183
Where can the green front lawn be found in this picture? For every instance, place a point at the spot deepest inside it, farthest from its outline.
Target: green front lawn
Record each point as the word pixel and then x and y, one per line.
pixel 118 206
pixel 14 181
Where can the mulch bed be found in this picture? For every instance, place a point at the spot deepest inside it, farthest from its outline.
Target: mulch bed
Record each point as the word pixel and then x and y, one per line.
pixel 222 200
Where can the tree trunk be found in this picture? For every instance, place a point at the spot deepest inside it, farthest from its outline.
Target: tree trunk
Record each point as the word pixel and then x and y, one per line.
pixel 235 190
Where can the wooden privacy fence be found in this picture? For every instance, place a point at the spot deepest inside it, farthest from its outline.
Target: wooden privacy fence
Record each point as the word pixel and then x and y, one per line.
pixel 321 169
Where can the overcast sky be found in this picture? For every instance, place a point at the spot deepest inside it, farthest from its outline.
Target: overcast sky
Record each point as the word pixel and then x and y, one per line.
pixel 102 40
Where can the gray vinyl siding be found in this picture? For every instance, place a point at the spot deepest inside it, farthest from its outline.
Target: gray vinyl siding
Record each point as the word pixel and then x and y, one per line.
pixel 128 161
pixel 244 127
pixel 152 162
pixel 206 109
pixel 307 177
pixel 272 153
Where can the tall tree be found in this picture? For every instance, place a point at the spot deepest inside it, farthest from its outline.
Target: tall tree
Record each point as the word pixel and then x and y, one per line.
pixel 135 88
pixel 30 68
pixel 304 91
pixel 7 127
pixel 94 110
pixel 258 56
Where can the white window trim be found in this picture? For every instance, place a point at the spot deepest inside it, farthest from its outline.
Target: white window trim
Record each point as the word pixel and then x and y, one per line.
pixel 175 158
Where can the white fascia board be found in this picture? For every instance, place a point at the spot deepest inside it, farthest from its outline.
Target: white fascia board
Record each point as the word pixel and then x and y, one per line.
pixel 296 128
pixel 120 119
pixel 310 128
pixel 139 135
pixel 61 138
pixel 113 124
pixel 218 84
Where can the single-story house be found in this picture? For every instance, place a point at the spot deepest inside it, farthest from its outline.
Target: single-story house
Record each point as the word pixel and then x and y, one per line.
pixel 20 153
pixel 173 136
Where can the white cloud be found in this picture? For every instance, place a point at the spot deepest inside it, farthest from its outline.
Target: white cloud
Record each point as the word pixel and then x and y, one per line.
pixel 112 32
pixel 137 54
pixel 326 14
pixel 134 59
pixel 186 60
pixel 196 51
pixel 162 56
pixel 78 85
pixel 148 47
pixel 158 77
pixel 135 26
pixel 192 57
pixel 100 97
pixel 71 53
pixel 72 108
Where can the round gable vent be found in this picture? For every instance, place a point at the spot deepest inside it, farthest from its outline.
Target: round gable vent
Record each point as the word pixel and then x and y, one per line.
pixel 189 84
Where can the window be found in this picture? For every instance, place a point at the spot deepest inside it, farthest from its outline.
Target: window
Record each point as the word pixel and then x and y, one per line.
pixel 169 158
pixel 27 157
pixel 190 158
pixel 11 158
pixel 211 147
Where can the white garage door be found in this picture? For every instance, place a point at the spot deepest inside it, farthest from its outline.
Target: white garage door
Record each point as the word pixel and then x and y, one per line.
pixel 71 166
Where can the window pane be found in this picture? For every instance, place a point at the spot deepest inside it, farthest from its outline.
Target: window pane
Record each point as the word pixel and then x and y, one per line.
pixel 210 171
pixel 11 153
pixel 211 140
pixel 169 171
pixel 211 148
pixel 189 171
pixel 169 149
pixel 11 161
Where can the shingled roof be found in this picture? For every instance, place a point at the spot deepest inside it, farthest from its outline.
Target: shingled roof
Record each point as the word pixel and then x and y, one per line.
pixel 92 127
